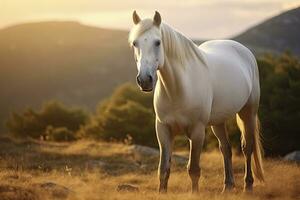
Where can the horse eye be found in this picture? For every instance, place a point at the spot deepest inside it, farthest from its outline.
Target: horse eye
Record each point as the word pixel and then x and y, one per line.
pixel 134 43
pixel 157 43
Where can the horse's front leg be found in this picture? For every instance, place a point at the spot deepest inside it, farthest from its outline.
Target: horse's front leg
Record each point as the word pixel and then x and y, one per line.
pixel 196 137
pixel 165 140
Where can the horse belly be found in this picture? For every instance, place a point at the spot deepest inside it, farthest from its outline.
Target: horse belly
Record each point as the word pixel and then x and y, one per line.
pixel 232 85
pixel 227 104
pixel 178 116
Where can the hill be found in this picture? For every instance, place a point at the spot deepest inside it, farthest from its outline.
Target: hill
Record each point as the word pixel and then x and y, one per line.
pixel 274 35
pixel 93 170
pixel 67 61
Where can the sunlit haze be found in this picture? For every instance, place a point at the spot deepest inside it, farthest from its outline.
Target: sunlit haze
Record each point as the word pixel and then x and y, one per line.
pixel 195 18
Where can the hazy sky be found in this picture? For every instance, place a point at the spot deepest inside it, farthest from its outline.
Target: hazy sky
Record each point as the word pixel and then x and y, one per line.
pixel 195 18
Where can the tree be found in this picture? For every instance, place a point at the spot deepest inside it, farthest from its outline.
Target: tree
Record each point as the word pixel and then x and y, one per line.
pixel 126 114
pixel 280 107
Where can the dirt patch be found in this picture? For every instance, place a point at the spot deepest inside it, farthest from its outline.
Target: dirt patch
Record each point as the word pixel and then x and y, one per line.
pixel 127 188
pixel 9 192
pixel 55 190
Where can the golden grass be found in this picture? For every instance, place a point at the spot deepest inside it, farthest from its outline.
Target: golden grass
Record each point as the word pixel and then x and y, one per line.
pixel 91 170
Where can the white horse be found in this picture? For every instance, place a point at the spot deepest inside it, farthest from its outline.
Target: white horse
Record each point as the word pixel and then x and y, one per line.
pixel 197 87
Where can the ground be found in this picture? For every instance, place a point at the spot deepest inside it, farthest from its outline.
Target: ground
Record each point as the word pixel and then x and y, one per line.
pixel 93 170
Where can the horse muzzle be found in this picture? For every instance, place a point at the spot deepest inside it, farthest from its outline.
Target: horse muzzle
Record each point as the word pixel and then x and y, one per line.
pixel 146 82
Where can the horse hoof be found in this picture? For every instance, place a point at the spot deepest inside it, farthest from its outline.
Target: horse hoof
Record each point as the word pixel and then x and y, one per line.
pixel 228 188
pixel 248 189
pixel 162 190
pixel 195 191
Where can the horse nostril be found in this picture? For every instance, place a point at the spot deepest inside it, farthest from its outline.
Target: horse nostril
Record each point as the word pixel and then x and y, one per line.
pixel 150 78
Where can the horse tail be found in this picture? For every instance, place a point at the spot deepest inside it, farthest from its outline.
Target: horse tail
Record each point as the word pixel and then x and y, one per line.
pixel 258 153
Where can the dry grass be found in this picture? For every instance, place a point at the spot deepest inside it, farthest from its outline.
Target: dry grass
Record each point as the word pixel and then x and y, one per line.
pixel 90 170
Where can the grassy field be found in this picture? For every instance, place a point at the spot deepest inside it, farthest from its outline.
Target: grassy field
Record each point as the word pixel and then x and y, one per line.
pixel 92 170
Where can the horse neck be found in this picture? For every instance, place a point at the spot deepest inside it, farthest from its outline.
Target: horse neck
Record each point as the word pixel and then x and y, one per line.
pixel 179 53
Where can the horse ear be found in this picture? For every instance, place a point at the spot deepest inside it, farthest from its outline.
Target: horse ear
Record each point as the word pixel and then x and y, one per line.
pixel 135 17
pixel 157 19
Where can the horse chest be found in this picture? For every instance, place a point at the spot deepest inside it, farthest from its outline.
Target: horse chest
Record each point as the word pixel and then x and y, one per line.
pixel 184 110
pixel 178 116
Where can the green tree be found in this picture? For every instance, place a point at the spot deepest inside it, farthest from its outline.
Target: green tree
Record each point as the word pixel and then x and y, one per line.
pixel 280 103
pixel 126 114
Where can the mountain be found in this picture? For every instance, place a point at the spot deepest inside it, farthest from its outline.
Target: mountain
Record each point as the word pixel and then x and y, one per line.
pixel 81 65
pixel 74 63
pixel 274 35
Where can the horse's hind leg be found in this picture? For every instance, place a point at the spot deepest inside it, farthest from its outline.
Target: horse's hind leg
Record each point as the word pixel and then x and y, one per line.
pixel 225 147
pixel 246 120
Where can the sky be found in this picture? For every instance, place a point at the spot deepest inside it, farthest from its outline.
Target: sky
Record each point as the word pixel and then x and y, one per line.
pixel 203 19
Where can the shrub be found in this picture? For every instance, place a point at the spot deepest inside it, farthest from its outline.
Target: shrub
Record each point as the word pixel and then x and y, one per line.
pixel 59 134
pixel 26 124
pixel 34 124
pixel 58 115
pixel 131 119
pixel 127 113
pixel 280 107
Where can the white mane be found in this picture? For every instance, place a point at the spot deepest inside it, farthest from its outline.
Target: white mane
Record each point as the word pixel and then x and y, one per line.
pixel 176 45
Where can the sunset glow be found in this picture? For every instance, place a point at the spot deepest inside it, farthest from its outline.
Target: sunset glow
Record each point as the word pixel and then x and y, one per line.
pixel 212 19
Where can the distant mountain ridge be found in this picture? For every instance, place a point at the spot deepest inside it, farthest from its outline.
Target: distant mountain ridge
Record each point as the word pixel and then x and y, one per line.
pixel 81 65
pixel 274 35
